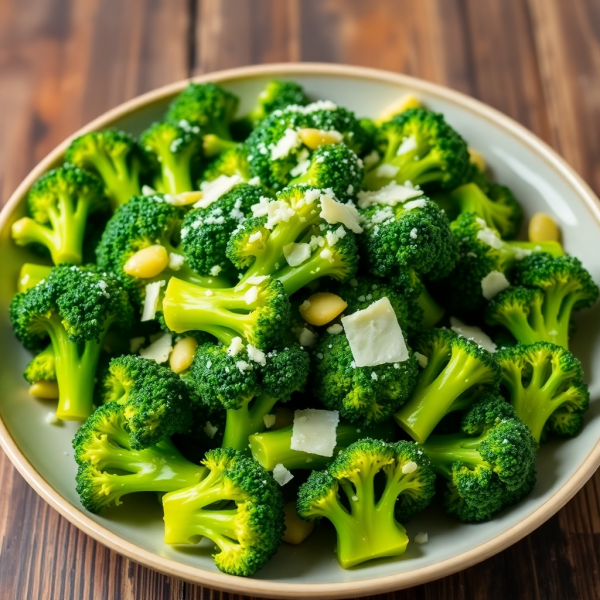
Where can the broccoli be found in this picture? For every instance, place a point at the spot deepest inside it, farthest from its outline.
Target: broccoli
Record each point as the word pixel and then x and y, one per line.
pixel 209 107
pixel 366 520
pixel 42 367
pixel 362 395
pixel 60 204
pixel 31 274
pixel 113 156
pixel 277 95
pixel 539 310
pixel 455 368
pixel 419 147
pixel 258 313
pixel 489 464
pixel 73 308
pixel 275 149
pixel 545 386
pixel 208 230
pixel 110 468
pixel 413 235
pixel 271 448
pixel 156 400
pixel 205 429
pixel 146 221
pixel 433 313
pixel 293 222
pixel 175 151
pixel 481 252
pixel 232 162
pixel 238 506
pixel 247 383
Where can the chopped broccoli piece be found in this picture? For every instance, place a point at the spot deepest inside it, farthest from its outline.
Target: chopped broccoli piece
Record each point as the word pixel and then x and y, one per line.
pixel 367 523
pixel 238 506
pixel 42 367
pixel 60 204
pixel 232 162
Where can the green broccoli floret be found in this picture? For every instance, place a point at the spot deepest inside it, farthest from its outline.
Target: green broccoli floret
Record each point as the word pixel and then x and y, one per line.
pixel 481 253
pixel 258 313
pixel 42 367
pixel 362 395
pixel 115 157
pixel 455 368
pixel 208 230
pixel 545 386
pixel 209 107
pixel 74 309
pixel 247 384
pixel 277 95
pixel 418 146
pixel 238 506
pixel 232 162
pixel 333 167
pixel 271 448
pixel 156 400
pixel 275 149
pixel 412 235
pixel 265 246
pixel 110 468
pixel 539 310
pixel 175 151
pixel 366 519
pixel 147 221
pixel 60 204
pixel 490 464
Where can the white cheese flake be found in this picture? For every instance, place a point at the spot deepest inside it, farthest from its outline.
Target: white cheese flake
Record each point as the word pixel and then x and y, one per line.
pixel 375 336
pixel 159 350
pixel 251 295
pixel 256 355
pixel 269 421
pixel 386 170
pixel 493 283
pixel 281 475
pixel 260 209
pixel 474 334
pixel 314 431
pixel 236 345
pixel 421 359
pixel 216 270
pixel 52 419
pixel 254 181
pixel 243 366
pixel 390 195
pixel 490 237
pixel 210 430
pixel 335 212
pixel 213 190
pixel 413 233
pixel 410 467
pixel 278 212
pixel 176 261
pixel 296 254
pixel 151 300
pixel 290 141
pixel 421 538
pixel 408 145
pixel 335 329
pixel 419 203
pixel 307 338
pixel 326 254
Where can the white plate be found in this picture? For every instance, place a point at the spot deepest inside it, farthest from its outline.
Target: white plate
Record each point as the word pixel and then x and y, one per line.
pixel 540 180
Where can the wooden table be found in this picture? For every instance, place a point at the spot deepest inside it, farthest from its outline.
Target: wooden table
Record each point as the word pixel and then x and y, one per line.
pixel 64 62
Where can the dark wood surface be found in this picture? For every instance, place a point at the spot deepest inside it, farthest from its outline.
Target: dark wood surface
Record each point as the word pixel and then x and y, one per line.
pixel 64 62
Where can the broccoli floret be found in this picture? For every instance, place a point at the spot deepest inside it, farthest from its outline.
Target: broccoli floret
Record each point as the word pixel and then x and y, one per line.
pixel 258 313
pixel 115 157
pixel 362 395
pixel 333 167
pixel 110 468
pixel 59 204
pixel 544 384
pixel 232 162
pixel 42 367
pixel 73 308
pixel 275 149
pixel 147 221
pixel 413 235
pixel 489 464
pixel 277 95
pixel 367 522
pixel 481 252
pixel 247 384
pixel 156 400
pixel 175 152
pixel 208 230
pixel 539 310
pixel 456 368
pixel 418 146
pixel 271 448
pixel 238 506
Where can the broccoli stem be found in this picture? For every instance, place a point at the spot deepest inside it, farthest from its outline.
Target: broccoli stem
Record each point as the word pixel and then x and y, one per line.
pixel 213 145
pixel 432 400
pixel 471 198
pixel 432 311
pixel 295 278
pixel 175 174
pixel 445 450
pixel 30 275
pixel 120 179
pixel 274 447
pixel 242 422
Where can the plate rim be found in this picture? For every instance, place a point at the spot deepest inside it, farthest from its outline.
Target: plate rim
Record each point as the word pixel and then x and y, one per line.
pixel 272 589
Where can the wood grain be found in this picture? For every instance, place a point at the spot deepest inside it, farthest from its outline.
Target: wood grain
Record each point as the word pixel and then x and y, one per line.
pixel 63 62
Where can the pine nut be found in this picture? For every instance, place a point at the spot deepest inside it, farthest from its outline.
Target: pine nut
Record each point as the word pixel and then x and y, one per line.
pixel 321 308
pixel 543 228
pixel 313 138
pixel 147 263
pixel 399 106
pixel 182 355
pixel 296 529
pixel 477 159
pixel 44 389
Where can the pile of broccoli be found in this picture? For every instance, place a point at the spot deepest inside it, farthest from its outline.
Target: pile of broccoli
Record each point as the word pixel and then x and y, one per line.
pixel 233 304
